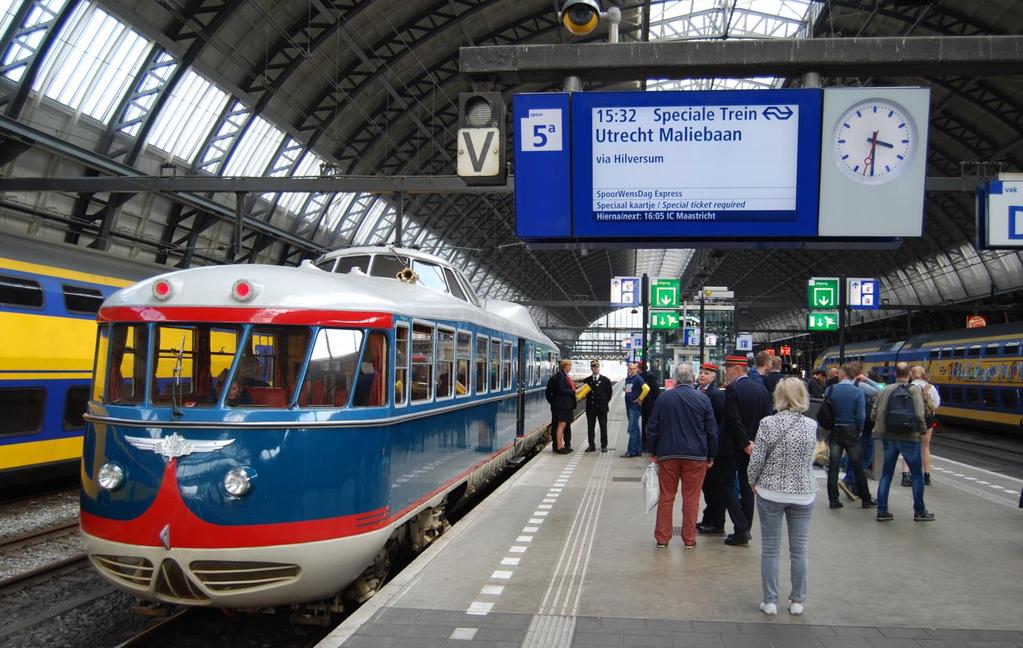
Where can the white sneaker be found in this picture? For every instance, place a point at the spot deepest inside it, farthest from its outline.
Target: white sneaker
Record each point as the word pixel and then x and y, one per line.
pixel 769 608
pixel 795 608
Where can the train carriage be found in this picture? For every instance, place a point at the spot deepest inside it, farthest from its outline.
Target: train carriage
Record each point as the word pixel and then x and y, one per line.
pixel 263 435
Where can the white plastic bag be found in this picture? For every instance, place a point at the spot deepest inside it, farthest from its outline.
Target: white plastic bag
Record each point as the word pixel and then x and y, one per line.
pixel 651 487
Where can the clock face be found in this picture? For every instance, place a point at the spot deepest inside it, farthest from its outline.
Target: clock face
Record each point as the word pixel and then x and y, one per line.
pixel 874 141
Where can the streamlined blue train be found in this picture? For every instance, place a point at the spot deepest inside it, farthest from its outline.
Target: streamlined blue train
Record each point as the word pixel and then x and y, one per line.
pixel 260 435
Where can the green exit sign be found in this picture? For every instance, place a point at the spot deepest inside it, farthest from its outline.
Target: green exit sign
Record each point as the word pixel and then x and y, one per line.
pixel 823 321
pixel 664 293
pixel 664 319
pixel 822 292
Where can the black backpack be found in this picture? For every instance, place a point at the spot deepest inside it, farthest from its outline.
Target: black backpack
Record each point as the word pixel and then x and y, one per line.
pixel 826 415
pixel 900 415
pixel 551 387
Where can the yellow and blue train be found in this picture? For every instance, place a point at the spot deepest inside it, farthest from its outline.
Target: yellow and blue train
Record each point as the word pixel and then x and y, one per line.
pixel 48 320
pixel 978 372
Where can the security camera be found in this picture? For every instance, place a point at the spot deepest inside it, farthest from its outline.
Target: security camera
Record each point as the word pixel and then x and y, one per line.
pixel 580 16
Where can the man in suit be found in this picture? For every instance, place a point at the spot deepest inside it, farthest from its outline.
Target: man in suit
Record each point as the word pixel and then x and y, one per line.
pixel 746 403
pixel 713 522
pixel 653 381
pixel 596 406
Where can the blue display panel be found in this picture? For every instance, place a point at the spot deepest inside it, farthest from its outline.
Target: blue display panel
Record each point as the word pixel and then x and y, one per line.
pixel 542 166
pixel 688 165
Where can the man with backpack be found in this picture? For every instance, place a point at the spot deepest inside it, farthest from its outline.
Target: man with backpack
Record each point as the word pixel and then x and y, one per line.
pixel 848 405
pixel 899 422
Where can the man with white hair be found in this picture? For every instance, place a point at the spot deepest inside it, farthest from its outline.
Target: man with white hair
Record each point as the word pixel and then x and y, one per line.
pixel 682 436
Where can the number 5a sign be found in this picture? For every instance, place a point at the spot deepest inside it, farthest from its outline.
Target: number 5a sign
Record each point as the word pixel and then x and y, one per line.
pixel 541 130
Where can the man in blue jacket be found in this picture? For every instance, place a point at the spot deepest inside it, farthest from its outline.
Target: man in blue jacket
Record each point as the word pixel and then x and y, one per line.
pixel 849 405
pixel 682 436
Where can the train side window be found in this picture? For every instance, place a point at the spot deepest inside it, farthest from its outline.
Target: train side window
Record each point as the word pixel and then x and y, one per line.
pixel 78 299
pixel 942 392
pixel 1011 349
pixel 959 352
pixel 463 358
pixel 422 362
pixel 990 397
pixel 23 410
pixel 331 368
pixel 16 291
pixel 75 404
pixel 1009 399
pixel 445 362
pixel 495 365
pixel 125 377
pixel 973 396
pixel 370 382
pixel 974 351
pixel 506 365
pixel 401 364
pixel 934 354
pixel 946 352
pixel 991 349
pixel 538 362
pixel 348 263
pixel 387 265
pixel 481 364
pixel 453 285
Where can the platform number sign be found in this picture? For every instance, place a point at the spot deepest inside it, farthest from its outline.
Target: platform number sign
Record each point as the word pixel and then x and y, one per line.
pixel 822 292
pixel 542 130
pixel 625 291
pixel 862 293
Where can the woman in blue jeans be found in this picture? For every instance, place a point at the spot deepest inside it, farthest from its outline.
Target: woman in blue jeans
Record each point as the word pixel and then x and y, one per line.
pixel 781 474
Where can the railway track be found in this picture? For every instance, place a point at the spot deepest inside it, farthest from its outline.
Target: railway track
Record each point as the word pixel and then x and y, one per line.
pixel 985 450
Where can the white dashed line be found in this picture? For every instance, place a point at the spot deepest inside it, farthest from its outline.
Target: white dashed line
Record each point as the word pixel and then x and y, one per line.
pixel 524 538
pixel 535 521
pixel 544 507
pixel 464 634
pixel 995 486
pixel 983 482
pixel 1009 490
pixel 480 608
pixel 541 513
pixel 972 478
pixel 510 562
pixel 556 490
pixel 517 549
pixel 492 590
pixel 530 529
pixel 549 501
pixel 501 574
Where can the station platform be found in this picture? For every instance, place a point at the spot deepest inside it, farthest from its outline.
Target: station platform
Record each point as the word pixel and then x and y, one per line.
pixel 562 554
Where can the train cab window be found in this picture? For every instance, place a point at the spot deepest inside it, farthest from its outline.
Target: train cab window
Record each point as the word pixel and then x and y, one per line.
pixel 506 365
pixel 329 377
pixel 1011 349
pixel 75 404
pixel 82 300
pixel 445 362
pixel 387 265
pixel 430 275
pixel 463 358
pixel 422 362
pixel 401 364
pixel 16 291
pixel 124 376
pixel 327 265
pixel 454 286
pixel 481 364
pixel 192 362
pixel 974 351
pixel 495 365
pixel 370 382
pixel 349 263
pixel 23 410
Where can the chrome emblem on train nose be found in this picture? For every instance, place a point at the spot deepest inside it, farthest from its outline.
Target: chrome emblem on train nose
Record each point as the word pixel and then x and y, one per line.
pixel 176 445
pixel 165 537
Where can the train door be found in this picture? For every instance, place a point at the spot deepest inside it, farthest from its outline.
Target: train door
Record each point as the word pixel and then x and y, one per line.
pixel 520 410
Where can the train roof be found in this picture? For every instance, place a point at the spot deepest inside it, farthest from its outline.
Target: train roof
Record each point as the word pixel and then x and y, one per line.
pixel 310 289
pixel 967 336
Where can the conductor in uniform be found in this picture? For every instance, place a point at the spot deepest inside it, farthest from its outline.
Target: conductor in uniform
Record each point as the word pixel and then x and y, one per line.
pixel 597 400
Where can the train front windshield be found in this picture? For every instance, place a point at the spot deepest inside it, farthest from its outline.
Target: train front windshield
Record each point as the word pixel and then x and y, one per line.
pixel 206 365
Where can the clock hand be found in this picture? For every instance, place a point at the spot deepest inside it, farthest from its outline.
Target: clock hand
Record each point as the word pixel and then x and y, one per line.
pixel 882 143
pixel 869 160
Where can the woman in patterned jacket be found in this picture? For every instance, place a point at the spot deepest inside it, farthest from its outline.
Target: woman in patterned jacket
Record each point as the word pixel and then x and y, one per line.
pixel 781 474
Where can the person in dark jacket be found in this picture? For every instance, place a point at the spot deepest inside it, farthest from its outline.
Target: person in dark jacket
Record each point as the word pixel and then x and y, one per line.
pixel 713 522
pixel 815 384
pixel 774 375
pixel 654 383
pixel 562 405
pixel 682 437
pixel 746 403
pixel 597 400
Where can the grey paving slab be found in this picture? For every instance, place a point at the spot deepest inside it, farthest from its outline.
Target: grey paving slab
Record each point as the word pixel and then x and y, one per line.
pixel 597 639
pixel 696 640
pixel 905 633
pixel 746 641
pixel 941 643
pixel 999 635
pixel 893 643
pixel 362 641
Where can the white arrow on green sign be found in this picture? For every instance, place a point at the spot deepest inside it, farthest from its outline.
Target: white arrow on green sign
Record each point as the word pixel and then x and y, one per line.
pixel 664 293
pixel 664 319
pixel 822 292
pixel 822 321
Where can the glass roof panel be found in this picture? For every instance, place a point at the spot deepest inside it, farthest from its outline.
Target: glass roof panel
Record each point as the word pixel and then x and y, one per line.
pixel 92 63
pixel 255 149
pixel 21 49
pixel 187 117
pixel 7 10
pixel 309 165
pixel 336 211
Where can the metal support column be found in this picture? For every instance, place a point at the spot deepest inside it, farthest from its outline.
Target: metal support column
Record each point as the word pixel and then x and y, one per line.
pixel 646 310
pixel 239 199
pixel 841 319
pixel 398 219
pixel 703 331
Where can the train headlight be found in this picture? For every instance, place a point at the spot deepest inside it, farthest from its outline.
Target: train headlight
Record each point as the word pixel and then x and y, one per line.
pixel 110 476
pixel 238 481
pixel 245 290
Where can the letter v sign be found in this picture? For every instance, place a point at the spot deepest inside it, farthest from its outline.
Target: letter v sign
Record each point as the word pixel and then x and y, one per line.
pixel 478 152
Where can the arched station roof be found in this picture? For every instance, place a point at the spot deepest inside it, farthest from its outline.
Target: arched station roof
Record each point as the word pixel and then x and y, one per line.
pixel 321 87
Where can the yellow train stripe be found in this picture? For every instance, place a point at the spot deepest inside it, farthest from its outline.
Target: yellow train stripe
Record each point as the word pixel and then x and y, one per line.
pixel 46 342
pixel 78 374
pixel 61 273
pixel 1002 418
pixel 18 455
